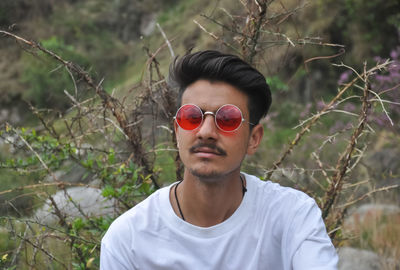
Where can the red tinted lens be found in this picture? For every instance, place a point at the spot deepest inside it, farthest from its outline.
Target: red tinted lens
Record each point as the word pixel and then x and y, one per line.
pixel 228 117
pixel 189 117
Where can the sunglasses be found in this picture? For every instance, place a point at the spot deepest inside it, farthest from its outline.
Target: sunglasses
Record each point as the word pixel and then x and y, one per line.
pixel 228 117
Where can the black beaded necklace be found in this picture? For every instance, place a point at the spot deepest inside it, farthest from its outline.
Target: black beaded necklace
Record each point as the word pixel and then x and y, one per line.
pixel 244 190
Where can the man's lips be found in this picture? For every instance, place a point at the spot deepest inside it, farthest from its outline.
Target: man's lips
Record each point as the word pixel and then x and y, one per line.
pixel 207 149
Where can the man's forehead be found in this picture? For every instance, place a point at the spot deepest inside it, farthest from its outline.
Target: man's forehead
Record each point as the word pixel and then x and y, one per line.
pixel 210 97
pixel 207 90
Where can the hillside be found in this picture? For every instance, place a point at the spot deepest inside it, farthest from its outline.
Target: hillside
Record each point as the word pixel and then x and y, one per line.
pixel 108 37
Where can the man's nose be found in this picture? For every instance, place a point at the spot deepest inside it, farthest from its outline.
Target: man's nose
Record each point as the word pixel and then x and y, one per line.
pixel 208 129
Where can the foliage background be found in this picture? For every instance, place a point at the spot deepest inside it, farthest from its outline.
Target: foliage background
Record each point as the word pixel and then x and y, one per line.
pixel 59 131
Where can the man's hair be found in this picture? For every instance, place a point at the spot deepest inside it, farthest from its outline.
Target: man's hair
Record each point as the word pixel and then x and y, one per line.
pixel 216 66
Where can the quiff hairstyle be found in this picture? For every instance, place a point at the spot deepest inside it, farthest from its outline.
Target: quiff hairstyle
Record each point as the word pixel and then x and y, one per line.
pixel 215 66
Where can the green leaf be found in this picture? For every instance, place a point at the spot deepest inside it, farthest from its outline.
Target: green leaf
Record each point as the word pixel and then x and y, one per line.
pixel 111 158
pixel 78 224
pixel 85 175
pixel 108 191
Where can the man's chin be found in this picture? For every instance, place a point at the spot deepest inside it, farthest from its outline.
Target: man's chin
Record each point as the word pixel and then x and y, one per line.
pixel 206 175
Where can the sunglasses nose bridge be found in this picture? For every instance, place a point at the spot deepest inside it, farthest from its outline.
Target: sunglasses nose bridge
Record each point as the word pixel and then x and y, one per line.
pixel 205 116
pixel 209 113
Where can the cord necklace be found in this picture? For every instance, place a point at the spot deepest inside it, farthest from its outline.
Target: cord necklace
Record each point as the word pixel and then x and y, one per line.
pixel 244 190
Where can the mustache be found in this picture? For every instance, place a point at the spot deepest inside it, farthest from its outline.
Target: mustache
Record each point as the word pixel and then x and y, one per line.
pixel 214 147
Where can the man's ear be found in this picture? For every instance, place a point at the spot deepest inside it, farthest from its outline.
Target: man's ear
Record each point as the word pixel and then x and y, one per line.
pixel 176 127
pixel 255 139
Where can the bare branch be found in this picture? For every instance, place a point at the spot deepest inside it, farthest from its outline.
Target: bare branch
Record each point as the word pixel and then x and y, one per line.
pixel 368 194
pixel 58 184
pixel 109 102
pixel 171 51
pixel 344 160
pixel 215 36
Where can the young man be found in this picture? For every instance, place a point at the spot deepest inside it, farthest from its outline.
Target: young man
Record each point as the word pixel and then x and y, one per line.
pixel 218 217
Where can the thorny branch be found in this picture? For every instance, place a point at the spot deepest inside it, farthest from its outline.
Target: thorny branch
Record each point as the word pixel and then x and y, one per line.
pixel 45 251
pixel 328 107
pixel 255 32
pixel 58 184
pixel 305 129
pixel 344 161
pixel 252 33
pixel 109 102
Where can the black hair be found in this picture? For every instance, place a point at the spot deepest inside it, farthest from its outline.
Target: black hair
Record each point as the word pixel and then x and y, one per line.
pixel 217 66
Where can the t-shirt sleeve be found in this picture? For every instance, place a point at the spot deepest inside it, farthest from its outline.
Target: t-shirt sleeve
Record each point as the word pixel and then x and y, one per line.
pixel 116 252
pixel 308 243
pixel 110 262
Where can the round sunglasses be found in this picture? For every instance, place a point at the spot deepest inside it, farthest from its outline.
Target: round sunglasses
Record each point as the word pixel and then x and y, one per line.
pixel 227 118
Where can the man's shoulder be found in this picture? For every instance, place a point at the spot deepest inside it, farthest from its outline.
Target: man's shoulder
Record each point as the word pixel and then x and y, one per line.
pixel 269 190
pixel 283 205
pixel 275 202
pixel 137 217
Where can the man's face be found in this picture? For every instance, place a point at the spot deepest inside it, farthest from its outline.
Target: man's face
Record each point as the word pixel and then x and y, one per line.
pixel 207 152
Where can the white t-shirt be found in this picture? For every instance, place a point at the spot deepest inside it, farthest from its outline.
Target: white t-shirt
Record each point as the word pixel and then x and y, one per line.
pixel 273 228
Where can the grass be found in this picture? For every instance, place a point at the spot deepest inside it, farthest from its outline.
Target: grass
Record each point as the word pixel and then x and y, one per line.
pixel 377 232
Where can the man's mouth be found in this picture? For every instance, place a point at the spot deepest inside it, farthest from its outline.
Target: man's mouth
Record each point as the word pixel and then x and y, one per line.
pixel 207 149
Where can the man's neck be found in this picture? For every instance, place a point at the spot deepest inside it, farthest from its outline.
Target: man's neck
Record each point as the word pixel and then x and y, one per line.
pixel 207 203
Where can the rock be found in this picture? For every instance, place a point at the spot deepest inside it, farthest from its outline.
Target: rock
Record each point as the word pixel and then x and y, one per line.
pixel 9 115
pixel 358 259
pixel 10 143
pixel 90 201
pixel 71 173
pixel 384 163
pixel 371 211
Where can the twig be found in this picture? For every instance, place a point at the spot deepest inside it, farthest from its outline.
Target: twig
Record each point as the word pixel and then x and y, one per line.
pixel 225 27
pixel 51 256
pixel 344 160
pixel 117 127
pixel 109 102
pixel 367 195
pixel 351 68
pixel 49 128
pixel 347 186
pixel 73 81
pixel 216 37
pixel 59 184
pixel 316 117
pixel 341 51
pixel 39 242
pixel 255 33
pixel 310 118
pixel 383 106
pixel 171 51
pixel 280 34
pixel 78 207
pixel 15 255
pixel 321 166
pixel 55 229
pixel 389 89
pixel 288 13
pixel 306 128
pixel 36 154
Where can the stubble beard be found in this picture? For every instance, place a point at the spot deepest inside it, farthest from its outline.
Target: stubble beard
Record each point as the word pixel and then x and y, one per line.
pixel 206 177
pixel 213 176
pixel 210 176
